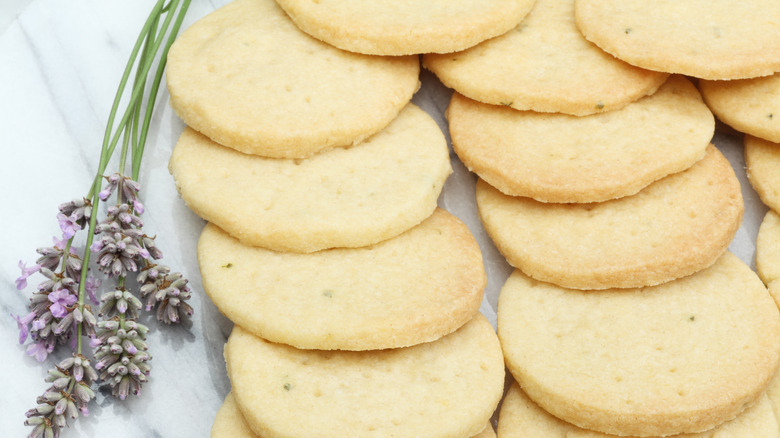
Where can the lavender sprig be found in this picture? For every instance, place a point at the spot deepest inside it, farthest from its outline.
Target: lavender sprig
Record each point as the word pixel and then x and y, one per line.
pixel 67 397
pixel 58 312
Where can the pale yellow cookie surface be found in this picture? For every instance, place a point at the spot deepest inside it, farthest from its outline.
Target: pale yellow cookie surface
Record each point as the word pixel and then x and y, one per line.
pixel 674 227
pixel 701 38
pixel 487 432
pixel 564 158
pixel 340 198
pixel 768 249
pixel 747 105
pixel 681 357
pixel 762 159
pixel 544 65
pixel 410 289
pixel 446 388
pixel 521 417
pixel 389 27
pixel 230 423
pixel 248 78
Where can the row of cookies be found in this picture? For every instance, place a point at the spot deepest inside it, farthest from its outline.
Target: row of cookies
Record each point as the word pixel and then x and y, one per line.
pixel 551 183
pixel 675 352
pixel 355 299
pixel 587 198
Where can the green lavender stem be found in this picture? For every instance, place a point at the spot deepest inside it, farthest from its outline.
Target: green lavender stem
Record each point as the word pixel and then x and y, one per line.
pixel 152 39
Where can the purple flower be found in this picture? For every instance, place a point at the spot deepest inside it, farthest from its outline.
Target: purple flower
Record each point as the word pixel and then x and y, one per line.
pixel 38 324
pixel 23 324
pixel 61 299
pixel 67 225
pixel 38 350
pixel 91 287
pixel 138 207
pixel 105 193
pixel 21 282
pixel 96 246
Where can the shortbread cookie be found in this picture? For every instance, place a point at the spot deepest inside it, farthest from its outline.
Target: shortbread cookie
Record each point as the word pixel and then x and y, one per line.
pixel 701 38
pixel 340 198
pixel 768 249
pixel 446 388
pixel 747 105
pixel 681 357
pixel 674 227
pixel 230 423
pixel 248 78
pixel 545 65
pixel 410 289
pixel 564 158
pixel 387 27
pixel 762 159
pixel 521 417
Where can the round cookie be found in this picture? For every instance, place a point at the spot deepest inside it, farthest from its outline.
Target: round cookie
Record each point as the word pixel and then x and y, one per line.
pixel 681 357
pixel 387 27
pixel 413 288
pixel 564 158
pixel 544 65
pixel 674 227
pixel 700 38
pixel 747 105
pixel 248 78
pixel 768 249
pixel 345 197
pixel 762 159
pixel 230 423
pixel 446 388
pixel 521 417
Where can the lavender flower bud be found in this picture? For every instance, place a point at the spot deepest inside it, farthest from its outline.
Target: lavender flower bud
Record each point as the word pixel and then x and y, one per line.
pixel 39 429
pixel 117 268
pixel 67 363
pixel 59 422
pixel 73 267
pixel 51 396
pixel 64 324
pixel 78 316
pixel 42 409
pixel 78 373
pixel 61 383
pixel 128 346
pixel 121 305
pixel 123 387
pixel 83 392
pixel 61 406
pixel 89 318
pixel 154 252
pixel 33 421
pixel 115 349
pixel 72 411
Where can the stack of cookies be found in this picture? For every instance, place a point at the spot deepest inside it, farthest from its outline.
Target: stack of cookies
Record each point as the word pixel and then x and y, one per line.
pixel 355 298
pixel 626 315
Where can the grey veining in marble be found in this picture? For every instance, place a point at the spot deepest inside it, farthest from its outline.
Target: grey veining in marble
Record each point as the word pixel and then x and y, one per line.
pixel 59 66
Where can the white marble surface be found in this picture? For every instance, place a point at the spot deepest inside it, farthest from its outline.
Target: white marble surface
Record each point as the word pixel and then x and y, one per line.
pixel 59 67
